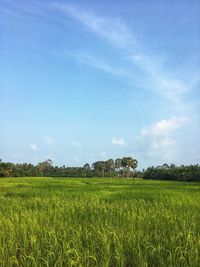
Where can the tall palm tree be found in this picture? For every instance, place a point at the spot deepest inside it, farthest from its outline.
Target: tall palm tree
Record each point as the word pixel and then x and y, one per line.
pixel 99 168
pixel 110 164
pixel 129 164
pixel 118 165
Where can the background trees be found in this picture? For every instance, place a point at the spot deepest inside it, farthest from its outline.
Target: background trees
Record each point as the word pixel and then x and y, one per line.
pixel 45 168
pixel 122 168
pixel 172 172
pixel 99 168
pixel 128 164
pixel 110 168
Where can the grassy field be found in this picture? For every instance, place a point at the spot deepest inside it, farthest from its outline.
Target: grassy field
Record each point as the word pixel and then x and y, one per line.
pixel 99 222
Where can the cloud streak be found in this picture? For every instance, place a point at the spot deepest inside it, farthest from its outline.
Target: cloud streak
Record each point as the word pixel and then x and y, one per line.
pixel 118 34
pixel 111 29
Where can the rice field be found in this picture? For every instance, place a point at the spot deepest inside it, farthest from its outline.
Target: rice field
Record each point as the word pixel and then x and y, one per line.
pixel 99 222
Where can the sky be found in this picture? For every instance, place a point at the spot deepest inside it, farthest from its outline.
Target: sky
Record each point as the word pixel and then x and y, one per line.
pixel 82 81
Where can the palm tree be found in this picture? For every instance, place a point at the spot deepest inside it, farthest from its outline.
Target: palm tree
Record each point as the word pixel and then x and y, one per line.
pixel 99 168
pixel 129 164
pixel 110 164
pixel 86 167
pixel 118 165
pixel 102 167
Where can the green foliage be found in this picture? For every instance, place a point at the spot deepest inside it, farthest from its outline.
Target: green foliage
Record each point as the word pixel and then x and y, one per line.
pixel 99 168
pixel 166 172
pixel 122 168
pixel 99 222
pixel 46 168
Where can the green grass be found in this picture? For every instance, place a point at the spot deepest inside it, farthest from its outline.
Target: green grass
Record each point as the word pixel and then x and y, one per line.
pixel 99 222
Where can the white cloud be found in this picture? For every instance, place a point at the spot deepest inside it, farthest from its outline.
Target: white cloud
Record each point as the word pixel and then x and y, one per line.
pixel 33 147
pixel 48 140
pixel 118 141
pixel 76 143
pixel 157 141
pixel 164 127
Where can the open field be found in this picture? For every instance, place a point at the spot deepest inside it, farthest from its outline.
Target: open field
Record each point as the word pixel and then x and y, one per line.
pixel 99 222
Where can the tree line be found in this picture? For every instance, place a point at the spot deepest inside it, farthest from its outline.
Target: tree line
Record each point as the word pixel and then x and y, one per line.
pixel 110 168
pixel 122 167
pixel 172 172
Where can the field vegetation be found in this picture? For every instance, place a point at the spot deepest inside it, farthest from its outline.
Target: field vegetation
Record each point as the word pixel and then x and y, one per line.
pixel 99 222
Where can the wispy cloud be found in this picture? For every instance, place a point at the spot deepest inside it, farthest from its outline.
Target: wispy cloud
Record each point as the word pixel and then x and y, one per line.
pixel 33 147
pixel 110 28
pixel 118 34
pixel 96 62
pixel 118 141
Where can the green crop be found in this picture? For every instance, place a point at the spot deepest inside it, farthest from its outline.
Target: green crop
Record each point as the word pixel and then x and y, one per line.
pixel 99 222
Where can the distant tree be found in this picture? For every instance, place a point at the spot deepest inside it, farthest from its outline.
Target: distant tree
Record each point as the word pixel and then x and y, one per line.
pixel 86 167
pixel 118 165
pixel 129 164
pixel 165 165
pixel 110 166
pixel 172 172
pixel 6 169
pixel 139 174
pixel 44 168
pixel 99 168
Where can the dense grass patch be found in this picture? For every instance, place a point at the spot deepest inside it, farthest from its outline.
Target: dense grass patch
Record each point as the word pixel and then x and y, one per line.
pixel 98 222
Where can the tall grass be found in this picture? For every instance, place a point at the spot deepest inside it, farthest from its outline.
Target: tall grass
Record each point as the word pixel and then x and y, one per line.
pixel 99 222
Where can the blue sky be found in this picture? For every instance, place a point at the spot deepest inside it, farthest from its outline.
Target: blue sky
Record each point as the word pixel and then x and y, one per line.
pixel 82 81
